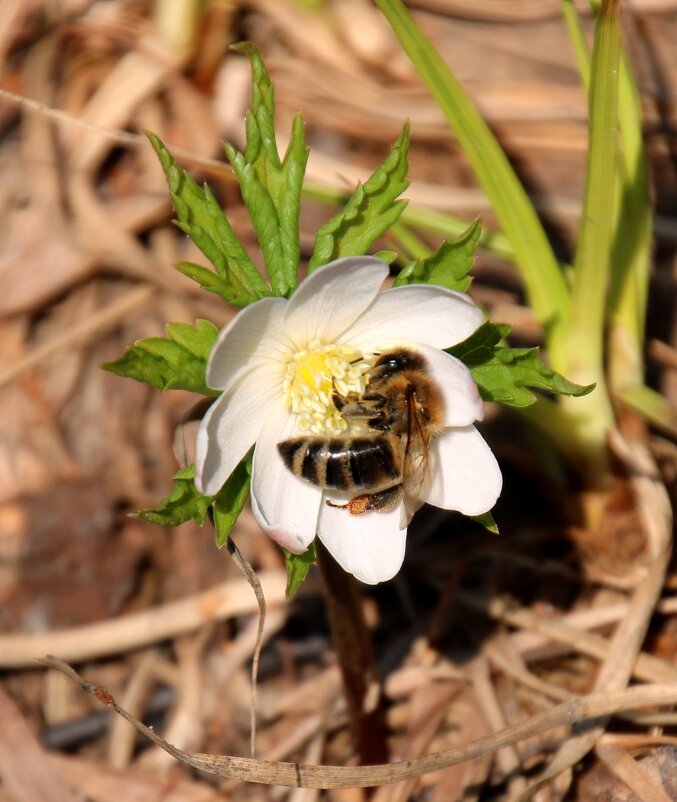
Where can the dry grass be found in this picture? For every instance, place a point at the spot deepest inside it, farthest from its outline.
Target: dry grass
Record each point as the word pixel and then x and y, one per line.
pixel 477 635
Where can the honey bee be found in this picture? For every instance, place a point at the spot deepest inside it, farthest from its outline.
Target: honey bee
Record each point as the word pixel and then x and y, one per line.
pixel 403 409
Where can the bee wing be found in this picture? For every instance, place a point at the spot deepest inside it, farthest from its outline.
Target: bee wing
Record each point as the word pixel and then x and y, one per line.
pixel 415 465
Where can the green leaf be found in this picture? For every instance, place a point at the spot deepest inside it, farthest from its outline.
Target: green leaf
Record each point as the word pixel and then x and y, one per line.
pixel 508 375
pixel 186 503
pixel 206 278
pixel 371 210
pixel 230 500
pixel 183 504
pixel 487 521
pixel 505 375
pixel 448 266
pixel 286 194
pixel 271 189
pixel 386 256
pixel 202 219
pixel 298 566
pixel 481 345
pixel 178 362
pixel 261 150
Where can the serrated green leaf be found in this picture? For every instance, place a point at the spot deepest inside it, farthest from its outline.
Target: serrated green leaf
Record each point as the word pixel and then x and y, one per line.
pixel 448 266
pixel 387 256
pixel 261 150
pixel 505 375
pixel 186 503
pixel 197 340
pixel 508 375
pixel 371 210
pixel 487 521
pixel 480 346
pixel 230 500
pixel 271 189
pixel 183 504
pixel 175 363
pixel 297 566
pixel 286 196
pixel 262 212
pixel 201 217
pixel 206 278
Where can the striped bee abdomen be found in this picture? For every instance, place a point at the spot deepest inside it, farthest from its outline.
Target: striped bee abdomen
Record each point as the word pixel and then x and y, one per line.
pixel 350 463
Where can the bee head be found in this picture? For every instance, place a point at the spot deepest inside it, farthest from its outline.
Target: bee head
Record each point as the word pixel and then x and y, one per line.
pixel 397 361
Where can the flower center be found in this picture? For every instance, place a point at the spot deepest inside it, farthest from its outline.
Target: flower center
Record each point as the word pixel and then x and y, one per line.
pixel 312 377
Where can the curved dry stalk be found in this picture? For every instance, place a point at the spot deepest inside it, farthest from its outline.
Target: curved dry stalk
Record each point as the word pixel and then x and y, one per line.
pixel 299 775
pixel 255 584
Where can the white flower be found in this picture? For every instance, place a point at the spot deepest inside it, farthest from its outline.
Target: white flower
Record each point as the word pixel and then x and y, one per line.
pixel 275 362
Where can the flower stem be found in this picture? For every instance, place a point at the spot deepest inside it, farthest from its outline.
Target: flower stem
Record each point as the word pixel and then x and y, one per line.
pixel 355 655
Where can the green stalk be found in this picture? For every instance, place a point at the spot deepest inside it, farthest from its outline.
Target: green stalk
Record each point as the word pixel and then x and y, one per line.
pixel 631 257
pixel 451 228
pixel 412 246
pixel 573 22
pixel 632 247
pixel 544 282
pixel 590 281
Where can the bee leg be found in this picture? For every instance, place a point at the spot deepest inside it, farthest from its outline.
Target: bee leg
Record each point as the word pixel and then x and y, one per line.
pixel 338 400
pixel 357 410
pixel 382 501
pixel 343 401
pixel 376 400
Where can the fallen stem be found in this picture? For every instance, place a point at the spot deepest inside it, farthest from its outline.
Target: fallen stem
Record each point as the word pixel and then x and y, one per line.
pixel 298 775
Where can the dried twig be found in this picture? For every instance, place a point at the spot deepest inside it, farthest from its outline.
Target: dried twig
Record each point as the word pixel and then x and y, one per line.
pixel 307 776
pixel 255 584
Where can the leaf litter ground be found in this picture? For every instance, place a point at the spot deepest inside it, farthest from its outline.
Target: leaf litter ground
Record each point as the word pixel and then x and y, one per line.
pixel 479 632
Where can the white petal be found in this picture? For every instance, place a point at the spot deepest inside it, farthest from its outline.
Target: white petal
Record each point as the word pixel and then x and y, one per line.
pixel 415 313
pixel 368 546
pixel 229 429
pixel 255 336
pixel 332 298
pixel 464 473
pixel 285 538
pixel 285 507
pixel 462 401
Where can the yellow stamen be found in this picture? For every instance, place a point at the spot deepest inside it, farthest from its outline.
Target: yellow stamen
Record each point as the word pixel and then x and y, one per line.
pixel 312 375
